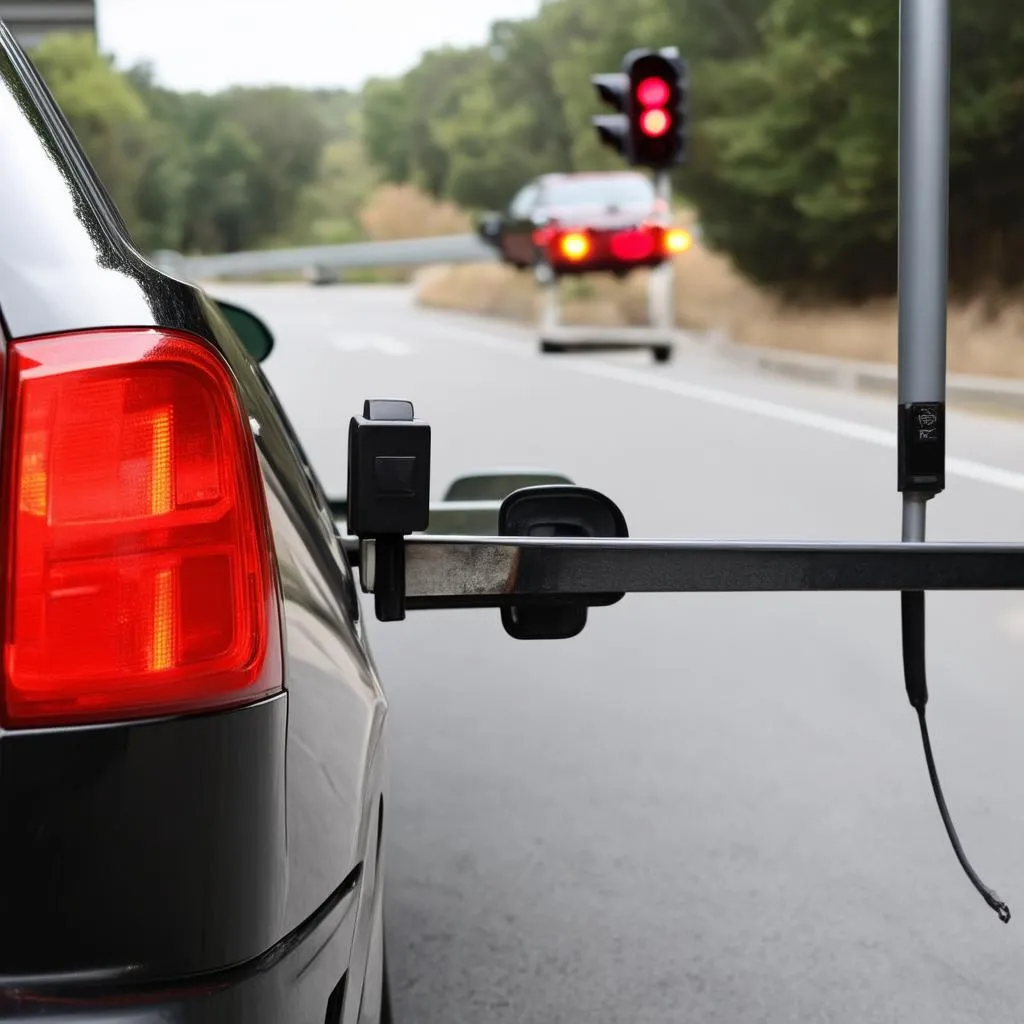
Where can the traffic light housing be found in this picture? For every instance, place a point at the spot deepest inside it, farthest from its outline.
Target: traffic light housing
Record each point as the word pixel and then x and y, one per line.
pixel 658 109
pixel 650 95
pixel 613 129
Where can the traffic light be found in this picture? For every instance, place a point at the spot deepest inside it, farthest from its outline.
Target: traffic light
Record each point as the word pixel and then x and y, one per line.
pixel 658 114
pixel 650 97
pixel 613 129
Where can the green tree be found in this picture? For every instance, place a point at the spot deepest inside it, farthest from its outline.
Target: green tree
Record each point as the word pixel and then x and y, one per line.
pixel 219 201
pixel 161 197
pixel 797 173
pixel 106 111
pixel 404 120
pixel 800 182
pixel 487 158
pixel 328 209
pixel 386 127
pixel 286 135
pixel 339 110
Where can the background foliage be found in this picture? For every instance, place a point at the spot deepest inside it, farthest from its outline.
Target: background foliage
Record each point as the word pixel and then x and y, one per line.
pixel 794 124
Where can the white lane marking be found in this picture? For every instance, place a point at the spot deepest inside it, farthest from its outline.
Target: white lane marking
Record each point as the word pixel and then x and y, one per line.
pixel 371 342
pixel 966 468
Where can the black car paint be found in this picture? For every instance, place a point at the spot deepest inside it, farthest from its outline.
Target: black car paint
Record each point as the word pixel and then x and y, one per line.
pixel 145 856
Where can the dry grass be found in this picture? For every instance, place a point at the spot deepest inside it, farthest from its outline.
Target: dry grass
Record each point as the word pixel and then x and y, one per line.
pixel 401 211
pixel 712 297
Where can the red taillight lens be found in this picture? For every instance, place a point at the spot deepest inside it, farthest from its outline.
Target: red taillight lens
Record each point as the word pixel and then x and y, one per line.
pixel 138 567
pixel 542 236
pixel 634 245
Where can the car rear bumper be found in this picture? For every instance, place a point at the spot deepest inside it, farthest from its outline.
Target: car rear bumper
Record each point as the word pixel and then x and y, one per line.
pixel 565 268
pixel 301 978
pixel 144 850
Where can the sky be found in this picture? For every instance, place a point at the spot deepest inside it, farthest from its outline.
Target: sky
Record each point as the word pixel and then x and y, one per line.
pixel 210 44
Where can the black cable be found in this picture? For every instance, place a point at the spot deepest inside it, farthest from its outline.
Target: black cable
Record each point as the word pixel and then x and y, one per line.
pixel 915 677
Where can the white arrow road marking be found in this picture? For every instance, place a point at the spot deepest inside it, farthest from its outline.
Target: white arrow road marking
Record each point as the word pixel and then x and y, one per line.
pixel 383 343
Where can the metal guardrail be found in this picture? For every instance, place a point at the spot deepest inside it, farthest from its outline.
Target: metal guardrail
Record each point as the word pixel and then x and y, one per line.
pixel 356 255
pixel 1001 394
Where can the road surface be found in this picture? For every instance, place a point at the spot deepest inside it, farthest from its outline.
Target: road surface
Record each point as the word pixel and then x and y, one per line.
pixel 705 808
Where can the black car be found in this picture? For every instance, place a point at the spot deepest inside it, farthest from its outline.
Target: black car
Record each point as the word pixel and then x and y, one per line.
pixel 594 210
pixel 193 745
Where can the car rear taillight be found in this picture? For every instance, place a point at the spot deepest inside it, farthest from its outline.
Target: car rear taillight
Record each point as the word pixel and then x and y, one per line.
pixel 678 240
pixel 638 244
pixel 574 246
pixel 542 236
pixel 137 542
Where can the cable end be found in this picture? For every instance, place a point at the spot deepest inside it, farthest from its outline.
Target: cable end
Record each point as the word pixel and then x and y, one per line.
pixel 1002 910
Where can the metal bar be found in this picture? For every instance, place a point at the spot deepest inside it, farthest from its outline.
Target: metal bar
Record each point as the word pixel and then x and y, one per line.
pixel 339 507
pixel 464 518
pixel 446 571
pixel 923 199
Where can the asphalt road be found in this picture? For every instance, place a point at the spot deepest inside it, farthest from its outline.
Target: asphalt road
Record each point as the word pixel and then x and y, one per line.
pixel 705 808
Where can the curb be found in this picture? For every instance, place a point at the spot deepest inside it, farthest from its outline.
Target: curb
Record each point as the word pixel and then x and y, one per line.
pixel 993 393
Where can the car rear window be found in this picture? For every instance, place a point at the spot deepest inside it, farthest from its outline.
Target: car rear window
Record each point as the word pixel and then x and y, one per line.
pixel 625 188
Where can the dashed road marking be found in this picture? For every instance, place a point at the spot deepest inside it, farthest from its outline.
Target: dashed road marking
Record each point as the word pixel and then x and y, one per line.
pixel 362 342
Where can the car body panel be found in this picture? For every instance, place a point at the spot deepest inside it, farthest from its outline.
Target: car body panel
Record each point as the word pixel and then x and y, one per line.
pixel 155 850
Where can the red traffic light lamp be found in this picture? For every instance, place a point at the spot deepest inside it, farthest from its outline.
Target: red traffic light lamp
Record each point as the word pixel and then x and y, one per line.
pixel 653 92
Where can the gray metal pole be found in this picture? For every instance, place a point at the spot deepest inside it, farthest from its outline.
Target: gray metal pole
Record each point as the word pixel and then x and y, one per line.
pixel 923 198
pixel 663 190
pixel 661 299
pixel 551 305
pixel 923 214
pixel 923 280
